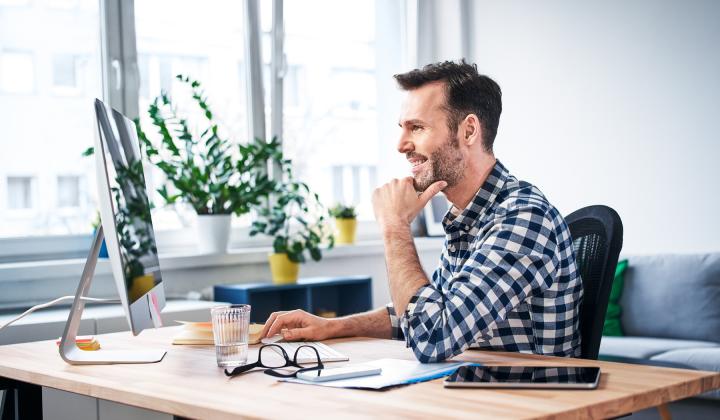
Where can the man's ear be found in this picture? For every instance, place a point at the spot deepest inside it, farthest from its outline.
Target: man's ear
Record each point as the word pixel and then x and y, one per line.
pixel 471 130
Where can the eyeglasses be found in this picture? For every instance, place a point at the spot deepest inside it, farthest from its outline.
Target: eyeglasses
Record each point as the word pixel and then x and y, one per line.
pixel 271 363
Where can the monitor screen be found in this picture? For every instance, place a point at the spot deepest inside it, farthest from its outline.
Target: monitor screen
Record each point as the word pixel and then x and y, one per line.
pixel 126 221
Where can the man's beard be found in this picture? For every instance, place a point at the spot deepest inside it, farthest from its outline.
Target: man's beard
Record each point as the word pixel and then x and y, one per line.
pixel 446 164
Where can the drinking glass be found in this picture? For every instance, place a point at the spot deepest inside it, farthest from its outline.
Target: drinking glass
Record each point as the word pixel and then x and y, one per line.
pixel 230 331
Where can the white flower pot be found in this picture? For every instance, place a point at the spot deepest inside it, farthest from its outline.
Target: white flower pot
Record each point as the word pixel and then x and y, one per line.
pixel 213 233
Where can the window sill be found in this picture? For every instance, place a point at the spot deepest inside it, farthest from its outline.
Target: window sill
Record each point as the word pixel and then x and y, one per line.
pixel 37 270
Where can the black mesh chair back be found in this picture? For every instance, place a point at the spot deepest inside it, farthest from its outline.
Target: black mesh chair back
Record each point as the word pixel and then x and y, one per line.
pixel 597 234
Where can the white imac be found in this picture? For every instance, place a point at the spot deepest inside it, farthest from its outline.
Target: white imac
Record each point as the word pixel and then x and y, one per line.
pixel 130 238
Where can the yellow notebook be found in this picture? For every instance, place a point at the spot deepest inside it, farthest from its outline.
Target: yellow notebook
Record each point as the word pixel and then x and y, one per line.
pixel 194 333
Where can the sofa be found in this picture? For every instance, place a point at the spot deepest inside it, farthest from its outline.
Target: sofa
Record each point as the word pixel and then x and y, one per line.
pixel 670 313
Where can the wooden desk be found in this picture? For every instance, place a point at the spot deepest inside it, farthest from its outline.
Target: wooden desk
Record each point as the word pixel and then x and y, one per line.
pixel 188 383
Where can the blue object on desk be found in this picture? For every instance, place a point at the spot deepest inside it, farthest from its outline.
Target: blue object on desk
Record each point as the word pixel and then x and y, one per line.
pixel 341 295
pixel 103 247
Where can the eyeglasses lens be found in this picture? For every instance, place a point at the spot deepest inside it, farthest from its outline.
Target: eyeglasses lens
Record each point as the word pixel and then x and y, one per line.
pixel 270 358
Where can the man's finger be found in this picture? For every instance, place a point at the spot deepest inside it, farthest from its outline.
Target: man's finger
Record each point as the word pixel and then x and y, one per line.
pixel 269 323
pixel 286 320
pixel 431 191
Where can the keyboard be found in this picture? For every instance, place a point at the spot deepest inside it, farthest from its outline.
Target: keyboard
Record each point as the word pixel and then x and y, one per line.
pixel 327 353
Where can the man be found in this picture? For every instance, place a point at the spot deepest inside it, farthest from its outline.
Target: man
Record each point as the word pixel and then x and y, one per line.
pixel 507 278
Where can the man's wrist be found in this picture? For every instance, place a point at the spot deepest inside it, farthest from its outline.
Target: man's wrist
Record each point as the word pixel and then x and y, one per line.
pixel 396 230
pixel 336 328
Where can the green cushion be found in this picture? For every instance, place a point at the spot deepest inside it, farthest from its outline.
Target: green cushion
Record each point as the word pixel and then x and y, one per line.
pixel 612 325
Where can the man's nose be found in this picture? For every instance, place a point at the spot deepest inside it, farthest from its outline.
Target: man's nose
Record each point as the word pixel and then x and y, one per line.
pixel 404 144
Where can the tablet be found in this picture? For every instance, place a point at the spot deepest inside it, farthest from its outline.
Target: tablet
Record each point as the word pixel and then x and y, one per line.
pixel 524 377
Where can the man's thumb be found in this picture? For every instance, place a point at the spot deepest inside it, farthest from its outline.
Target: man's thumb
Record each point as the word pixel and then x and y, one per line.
pixel 431 191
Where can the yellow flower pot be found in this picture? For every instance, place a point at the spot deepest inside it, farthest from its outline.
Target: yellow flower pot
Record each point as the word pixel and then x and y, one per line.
pixel 346 230
pixel 283 270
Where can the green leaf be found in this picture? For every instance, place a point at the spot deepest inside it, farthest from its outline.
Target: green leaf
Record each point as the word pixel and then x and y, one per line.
pixel 89 151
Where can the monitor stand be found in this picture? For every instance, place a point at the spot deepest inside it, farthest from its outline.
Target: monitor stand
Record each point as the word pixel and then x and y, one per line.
pixel 69 351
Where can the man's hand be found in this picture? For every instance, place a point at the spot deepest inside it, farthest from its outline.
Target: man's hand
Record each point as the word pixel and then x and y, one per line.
pixel 397 203
pixel 298 325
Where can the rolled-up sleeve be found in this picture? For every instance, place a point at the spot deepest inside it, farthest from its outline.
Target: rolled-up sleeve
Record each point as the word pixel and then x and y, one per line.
pixel 516 259
pixel 396 330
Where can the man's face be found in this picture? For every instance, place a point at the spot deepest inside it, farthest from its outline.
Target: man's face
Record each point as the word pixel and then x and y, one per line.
pixel 433 152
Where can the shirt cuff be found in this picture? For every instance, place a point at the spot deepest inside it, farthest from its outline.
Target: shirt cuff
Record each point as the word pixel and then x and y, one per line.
pixel 396 331
pixel 417 306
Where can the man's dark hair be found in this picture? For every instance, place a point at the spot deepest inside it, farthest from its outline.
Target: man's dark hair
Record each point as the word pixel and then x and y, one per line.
pixel 466 92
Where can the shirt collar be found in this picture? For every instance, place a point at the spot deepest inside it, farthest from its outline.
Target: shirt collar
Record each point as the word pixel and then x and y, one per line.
pixel 480 204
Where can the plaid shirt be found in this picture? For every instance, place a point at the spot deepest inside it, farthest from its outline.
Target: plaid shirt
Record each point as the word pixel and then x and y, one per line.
pixel 507 279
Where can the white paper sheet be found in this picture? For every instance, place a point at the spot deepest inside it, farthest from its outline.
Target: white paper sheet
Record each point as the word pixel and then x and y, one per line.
pixel 394 372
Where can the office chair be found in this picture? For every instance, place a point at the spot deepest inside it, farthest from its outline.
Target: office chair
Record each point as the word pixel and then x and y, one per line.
pixel 597 234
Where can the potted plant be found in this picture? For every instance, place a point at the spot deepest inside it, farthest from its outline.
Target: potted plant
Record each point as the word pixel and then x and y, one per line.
pixel 345 222
pixel 214 175
pixel 297 221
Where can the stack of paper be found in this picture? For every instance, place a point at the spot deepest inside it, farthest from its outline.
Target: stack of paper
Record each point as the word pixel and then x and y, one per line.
pixel 85 342
pixel 201 333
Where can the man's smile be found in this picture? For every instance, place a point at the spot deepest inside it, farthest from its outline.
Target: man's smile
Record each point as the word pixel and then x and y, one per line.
pixel 418 163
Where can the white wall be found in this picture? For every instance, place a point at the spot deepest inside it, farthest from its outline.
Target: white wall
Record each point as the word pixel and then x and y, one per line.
pixel 614 102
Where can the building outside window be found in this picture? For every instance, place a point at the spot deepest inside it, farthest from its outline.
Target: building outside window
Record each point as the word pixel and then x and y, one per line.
pixel 68 73
pixel 19 192
pixel 68 191
pixel 44 48
pixel 64 71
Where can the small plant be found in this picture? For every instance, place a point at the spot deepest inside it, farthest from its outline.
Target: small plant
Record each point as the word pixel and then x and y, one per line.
pixel 207 171
pixel 296 219
pixel 341 211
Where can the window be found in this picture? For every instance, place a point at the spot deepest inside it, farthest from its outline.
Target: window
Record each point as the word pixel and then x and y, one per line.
pixel 205 43
pixel 330 90
pixel 68 73
pixel 64 71
pixel 68 191
pixel 41 133
pixel 19 190
pixel 339 55
pixel 17 72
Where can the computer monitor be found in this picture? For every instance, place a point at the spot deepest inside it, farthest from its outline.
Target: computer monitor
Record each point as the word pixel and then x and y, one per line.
pixel 125 215
pixel 130 238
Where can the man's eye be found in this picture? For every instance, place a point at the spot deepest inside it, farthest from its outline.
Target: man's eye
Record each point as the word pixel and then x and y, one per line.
pixel 415 128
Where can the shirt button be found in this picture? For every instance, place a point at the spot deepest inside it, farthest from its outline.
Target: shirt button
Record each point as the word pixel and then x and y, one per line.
pixel 466 228
pixel 452 248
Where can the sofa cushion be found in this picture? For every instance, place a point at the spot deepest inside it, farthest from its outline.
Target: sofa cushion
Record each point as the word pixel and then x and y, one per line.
pixel 612 325
pixel 698 358
pixel 646 347
pixel 672 296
